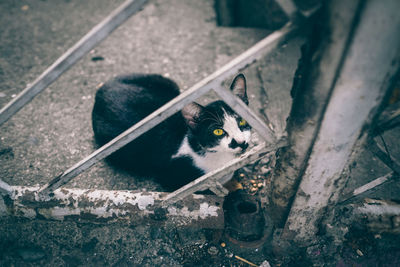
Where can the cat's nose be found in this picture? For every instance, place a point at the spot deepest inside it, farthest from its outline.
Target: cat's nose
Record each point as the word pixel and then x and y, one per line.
pixel 244 146
pixel 234 144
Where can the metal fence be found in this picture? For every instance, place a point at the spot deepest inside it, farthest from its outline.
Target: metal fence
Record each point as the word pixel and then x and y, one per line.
pixel 178 103
pixel 322 161
pixel 212 180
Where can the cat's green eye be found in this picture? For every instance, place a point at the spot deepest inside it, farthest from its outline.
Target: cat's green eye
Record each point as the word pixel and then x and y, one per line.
pixel 242 122
pixel 218 132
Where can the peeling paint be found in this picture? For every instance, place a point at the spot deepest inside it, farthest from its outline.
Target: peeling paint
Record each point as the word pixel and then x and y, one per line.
pixel 205 211
pixel 75 197
pixel 196 196
pixel 108 205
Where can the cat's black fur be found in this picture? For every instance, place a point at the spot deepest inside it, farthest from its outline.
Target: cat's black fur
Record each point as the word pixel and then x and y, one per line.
pixel 125 100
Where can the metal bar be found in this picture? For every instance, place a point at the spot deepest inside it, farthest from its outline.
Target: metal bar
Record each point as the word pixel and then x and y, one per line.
pixel 209 179
pixel 378 151
pixel 358 92
pixel 244 111
pixel 127 136
pixel 213 81
pixel 109 206
pixel 69 58
pixel 219 190
pixel 369 186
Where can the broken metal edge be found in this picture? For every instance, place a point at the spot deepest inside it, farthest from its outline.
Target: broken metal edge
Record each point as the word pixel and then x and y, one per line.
pixel 113 206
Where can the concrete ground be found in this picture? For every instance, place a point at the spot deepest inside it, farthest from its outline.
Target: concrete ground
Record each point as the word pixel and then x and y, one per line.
pixel 176 38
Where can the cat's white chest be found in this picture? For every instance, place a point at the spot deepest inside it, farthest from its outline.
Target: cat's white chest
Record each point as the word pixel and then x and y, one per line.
pixel 207 162
pixel 212 161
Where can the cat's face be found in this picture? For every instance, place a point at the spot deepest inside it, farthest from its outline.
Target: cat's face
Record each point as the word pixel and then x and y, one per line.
pixel 216 128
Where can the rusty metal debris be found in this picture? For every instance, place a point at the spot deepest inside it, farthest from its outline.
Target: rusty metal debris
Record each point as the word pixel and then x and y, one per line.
pixel 245 219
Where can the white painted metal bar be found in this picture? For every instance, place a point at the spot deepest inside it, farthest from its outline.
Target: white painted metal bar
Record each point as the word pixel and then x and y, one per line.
pixel 244 111
pixel 108 206
pixel 373 184
pixel 209 180
pixel 361 84
pixel 218 189
pixel 254 53
pixel 69 58
pixel 127 136
pixel 369 186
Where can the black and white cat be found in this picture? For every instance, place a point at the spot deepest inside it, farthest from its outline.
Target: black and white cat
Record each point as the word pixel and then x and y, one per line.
pixel 190 143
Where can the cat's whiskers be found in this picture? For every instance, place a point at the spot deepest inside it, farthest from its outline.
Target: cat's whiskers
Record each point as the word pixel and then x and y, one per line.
pixel 204 149
pixel 214 116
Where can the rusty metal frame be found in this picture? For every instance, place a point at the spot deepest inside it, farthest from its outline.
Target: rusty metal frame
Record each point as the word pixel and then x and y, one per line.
pixel 107 205
pixel 213 180
pixel 211 82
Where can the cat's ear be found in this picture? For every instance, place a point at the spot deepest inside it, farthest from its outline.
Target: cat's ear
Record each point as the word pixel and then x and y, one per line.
pixel 239 88
pixel 191 113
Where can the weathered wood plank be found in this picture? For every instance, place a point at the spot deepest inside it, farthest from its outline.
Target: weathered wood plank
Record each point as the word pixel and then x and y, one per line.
pixel 321 58
pixel 369 63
